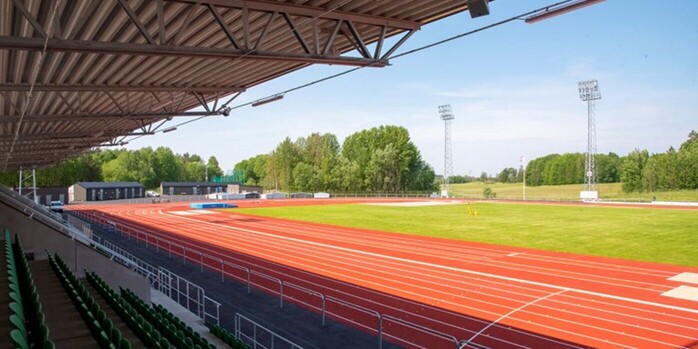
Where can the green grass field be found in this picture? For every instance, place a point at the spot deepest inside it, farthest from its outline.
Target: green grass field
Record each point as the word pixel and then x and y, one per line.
pixel 665 236
pixel 566 192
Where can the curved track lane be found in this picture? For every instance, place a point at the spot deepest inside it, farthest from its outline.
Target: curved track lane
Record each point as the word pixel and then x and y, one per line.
pixel 494 296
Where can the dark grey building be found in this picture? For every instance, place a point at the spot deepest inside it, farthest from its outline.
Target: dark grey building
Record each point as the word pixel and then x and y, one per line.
pixel 193 188
pixel 97 191
pixel 44 195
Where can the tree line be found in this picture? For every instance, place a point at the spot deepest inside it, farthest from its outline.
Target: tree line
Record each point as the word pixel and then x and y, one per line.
pixel 381 159
pixel 674 169
pixel 637 171
pixel 146 166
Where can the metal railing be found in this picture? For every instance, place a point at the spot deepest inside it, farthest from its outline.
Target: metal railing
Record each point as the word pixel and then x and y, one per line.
pixel 272 340
pixel 110 249
pixel 147 200
pixel 280 287
pixel 114 252
pixel 189 295
pixel 80 224
pixel 126 258
pixel 382 195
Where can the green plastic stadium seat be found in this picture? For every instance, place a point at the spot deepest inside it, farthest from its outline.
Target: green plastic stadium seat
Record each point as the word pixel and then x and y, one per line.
pixel 115 335
pixel 16 308
pixel 43 332
pixel 15 297
pixel 124 344
pixel 18 324
pixel 19 340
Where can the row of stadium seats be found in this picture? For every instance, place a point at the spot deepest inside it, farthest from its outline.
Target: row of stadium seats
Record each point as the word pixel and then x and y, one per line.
pixel 151 336
pixel 181 326
pixel 101 327
pixel 182 338
pixel 27 319
pixel 227 337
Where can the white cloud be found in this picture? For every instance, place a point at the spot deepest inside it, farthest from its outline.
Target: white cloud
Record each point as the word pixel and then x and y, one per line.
pixel 497 119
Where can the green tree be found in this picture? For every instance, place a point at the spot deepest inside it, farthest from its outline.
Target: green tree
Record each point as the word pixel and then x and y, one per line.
pixel 118 169
pixel 307 177
pixel 214 169
pixel 507 175
pixel 167 165
pixel 608 168
pixel 632 170
pixel 346 176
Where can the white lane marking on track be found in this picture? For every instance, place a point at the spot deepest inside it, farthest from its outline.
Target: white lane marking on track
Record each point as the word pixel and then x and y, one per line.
pixel 691 278
pixel 461 270
pixel 511 312
pixel 222 231
pixel 683 292
pixel 486 252
pixel 514 254
pixel 641 285
pixel 416 268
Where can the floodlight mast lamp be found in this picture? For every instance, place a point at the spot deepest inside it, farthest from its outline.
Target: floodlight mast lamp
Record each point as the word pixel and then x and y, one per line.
pixel 447 116
pixel 589 92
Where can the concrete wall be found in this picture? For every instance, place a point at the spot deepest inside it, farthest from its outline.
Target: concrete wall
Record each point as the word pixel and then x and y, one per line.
pixel 80 193
pixel 37 238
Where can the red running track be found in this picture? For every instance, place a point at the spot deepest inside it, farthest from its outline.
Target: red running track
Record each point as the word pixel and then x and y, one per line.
pixel 490 296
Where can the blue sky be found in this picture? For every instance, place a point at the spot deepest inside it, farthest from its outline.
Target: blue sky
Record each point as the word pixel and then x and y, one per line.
pixel 513 90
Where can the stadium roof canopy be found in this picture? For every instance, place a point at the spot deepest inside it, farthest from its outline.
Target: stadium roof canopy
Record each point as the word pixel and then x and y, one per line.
pixel 75 75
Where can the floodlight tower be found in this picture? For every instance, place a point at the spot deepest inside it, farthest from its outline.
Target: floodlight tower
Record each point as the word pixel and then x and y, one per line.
pixel 589 92
pixel 446 114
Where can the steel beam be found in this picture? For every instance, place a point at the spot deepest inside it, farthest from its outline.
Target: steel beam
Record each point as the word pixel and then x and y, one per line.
pixel 77 135
pixel 119 88
pixel 59 45
pixel 309 11
pixel 23 149
pixel 52 141
pixel 85 117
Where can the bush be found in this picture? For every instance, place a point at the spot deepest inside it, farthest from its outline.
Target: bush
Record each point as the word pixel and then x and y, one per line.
pixel 488 193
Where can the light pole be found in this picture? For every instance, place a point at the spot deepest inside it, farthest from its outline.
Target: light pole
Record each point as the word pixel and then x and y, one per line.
pixel 446 114
pixel 589 92
pixel 522 159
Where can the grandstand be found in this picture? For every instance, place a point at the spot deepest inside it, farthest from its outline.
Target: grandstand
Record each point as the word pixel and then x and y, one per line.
pixel 49 306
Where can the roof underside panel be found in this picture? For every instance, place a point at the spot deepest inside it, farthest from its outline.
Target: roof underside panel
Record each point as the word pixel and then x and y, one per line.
pixel 79 74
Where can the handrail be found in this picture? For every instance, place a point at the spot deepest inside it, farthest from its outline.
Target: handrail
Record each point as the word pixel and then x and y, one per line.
pixel 324 298
pixel 414 326
pixel 365 310
pixel 281 285
pixel 247 270
pixel 309 291
pixel 76 234
pixel 238 332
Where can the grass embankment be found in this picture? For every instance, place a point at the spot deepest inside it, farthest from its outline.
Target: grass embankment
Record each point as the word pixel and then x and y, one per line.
pixel 608 191
pixel 654 235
